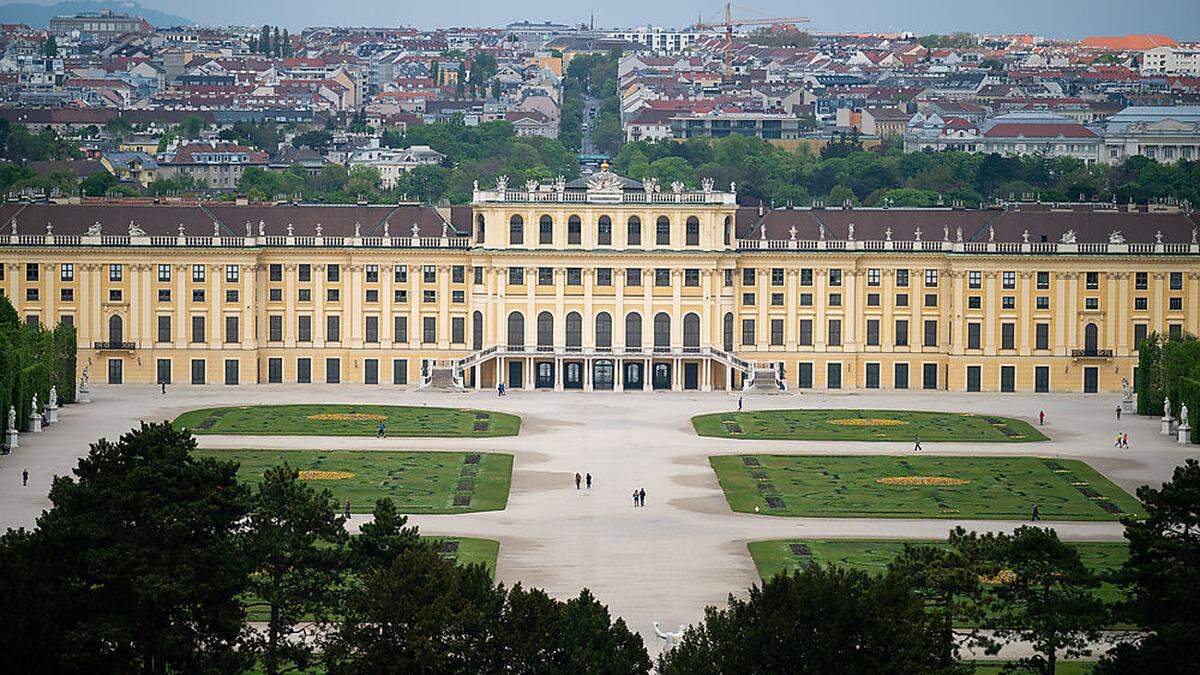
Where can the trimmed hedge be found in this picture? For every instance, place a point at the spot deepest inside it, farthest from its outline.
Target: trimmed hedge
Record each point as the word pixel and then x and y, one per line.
pixel 32 359
pixel 1169 368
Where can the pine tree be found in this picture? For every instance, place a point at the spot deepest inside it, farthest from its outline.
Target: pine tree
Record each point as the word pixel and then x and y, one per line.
pixel 287 43
pixel 264 42
pixel 278 43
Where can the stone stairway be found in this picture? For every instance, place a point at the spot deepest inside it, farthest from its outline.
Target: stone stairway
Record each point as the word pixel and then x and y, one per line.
pixel 441 378
pixel 764 381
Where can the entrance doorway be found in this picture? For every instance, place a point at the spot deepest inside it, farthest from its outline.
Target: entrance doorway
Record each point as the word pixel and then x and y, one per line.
pixel 544 375
pixel 573 375
pixel 116 371
pixel 662 376
pixel 691 375
pixel 973 378
pixel 602 374
pixel 633 375
pixel 516 374
pixel 1091 380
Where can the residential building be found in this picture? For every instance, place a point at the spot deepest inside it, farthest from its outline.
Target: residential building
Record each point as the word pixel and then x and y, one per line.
pixel 1166 134
pixel 1171 61
pixel 217 165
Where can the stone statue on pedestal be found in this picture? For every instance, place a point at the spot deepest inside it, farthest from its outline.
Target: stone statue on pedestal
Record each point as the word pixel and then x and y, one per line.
pixel 1167 422
pixel 1166 407
pixel 12 418
pixel 669 639
pixel 1183 416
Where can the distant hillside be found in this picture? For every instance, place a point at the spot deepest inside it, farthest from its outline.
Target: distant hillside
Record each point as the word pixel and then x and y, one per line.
pixel 38 16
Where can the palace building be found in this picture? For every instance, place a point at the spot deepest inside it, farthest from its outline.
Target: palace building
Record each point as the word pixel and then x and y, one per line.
pixel 607 283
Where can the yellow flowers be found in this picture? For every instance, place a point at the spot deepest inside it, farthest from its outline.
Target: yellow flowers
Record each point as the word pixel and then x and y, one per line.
pixel 935 481
pixel 1001 577
pixel 325 475
pixel 868 422
pixel 347 417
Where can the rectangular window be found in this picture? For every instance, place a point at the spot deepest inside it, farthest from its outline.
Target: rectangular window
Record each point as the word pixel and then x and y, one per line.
pixel 747 299
pixel 458 330
pixel 1175 304
pixel 776 276
pixel 806 277
pixel 1043 281
pixel 776 332
pixel 458 274
pixel 835 333
pixel 164 273
pixel 931 278
pixel 900 376
pixel 545 276
pixel 198 368
pixel 115 272
pixel 400 274
pixel 333 328
pixel 974 302
pixel 32 272
pixel 691 277
pixel 1008 280
pixel 274 370
pixel 429 330
pixel 1008 335
pixel 478 272
pixel 662 277
pixel 633 276
pixel 304 272
pixel 197 329
pixel 872 376
pixel 748 276
pixel 232 366
pixel 232 273
pixel 429 274
pixel 931 333
pixel 1042 302
pixel 164 328
pixel 400 296
pixel 1176 281
pixel 197 295
pixel 66 272
pixel 1091 303
pixel 777 299
pixel 804 375
pixel 833 375
pixel 1041 336
pixel 974 339
pixel 373 295
pixel 806 299
pixel 604 276
pixel 333 371
pixel 728 281
pixel 371 330
pixel 931 299
pixel 929 375
pixel 806 332
pixel 114 294
pixel 1092 280
pixel 274 272
pixel 399 371
pixel 304 295
pixel 974 280
pixel 275 328
pixel 1140 331
pixel 872 332
pixel 458 297
pixel 872 299
pixel 835 299
pixel 748 337
pixel 304 371
pixel 574 276
pixel 163 368
pixel 902 299
pixel 372 273
pixel 231 329
pixel 198 273
pixel 874 277
pixel 333 273
pixel 1008 302
pixel 66 295
pixel 901 278
pixel 516 276
pixel 333 294
pixel 835 277
pixel 400 325
pixel 901 332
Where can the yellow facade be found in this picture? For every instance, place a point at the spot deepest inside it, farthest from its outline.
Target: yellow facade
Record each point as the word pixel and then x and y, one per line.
pixel 705 295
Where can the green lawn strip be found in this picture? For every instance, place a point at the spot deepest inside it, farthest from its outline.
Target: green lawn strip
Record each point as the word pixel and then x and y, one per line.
pixel 906 425
pixel 1062 668
pixel 418 482
pixel 846 486
pixel 873 555
pixel 470 550
pixel 296 420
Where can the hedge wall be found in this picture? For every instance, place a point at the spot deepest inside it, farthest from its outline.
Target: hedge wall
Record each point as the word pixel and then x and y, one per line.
pixel 32 359
pixel 1189 393
pixel 1170 368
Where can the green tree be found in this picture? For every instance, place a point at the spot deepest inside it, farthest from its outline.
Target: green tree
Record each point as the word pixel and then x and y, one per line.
pixel 1048 599
pixel 192 125
pixel 98 184
pixel 1161 575
pixel 137 566
pixel 816 620
pixel 50 47
pixel 264 40
pixel 295 539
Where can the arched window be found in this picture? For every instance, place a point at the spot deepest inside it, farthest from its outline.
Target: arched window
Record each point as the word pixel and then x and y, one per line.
pixel 516 330
pixel 516 230
pixel 1091 337
pixel 634 236
pixel 693 231
pixel 574 330
pixel 477 330
pixel 691 330
pixel 546 230
pixel 604 231
pixel 545 329
pixel 662 231
pixel 633 330
pixel 662 330
pixel 727 333
pixel 603 329
pixel 728 230
pixel 116 329
pixel 574 230
pixel 479 229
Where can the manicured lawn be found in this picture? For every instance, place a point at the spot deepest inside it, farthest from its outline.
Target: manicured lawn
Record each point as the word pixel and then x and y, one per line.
pixel 865 425
pixel 418 482
pixel 470 550
pixel 920 486
pixel 1063 667
pixel 873 556
pixel 349 420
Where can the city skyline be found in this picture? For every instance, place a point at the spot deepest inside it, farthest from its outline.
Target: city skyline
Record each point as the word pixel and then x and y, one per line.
pixel 1067 18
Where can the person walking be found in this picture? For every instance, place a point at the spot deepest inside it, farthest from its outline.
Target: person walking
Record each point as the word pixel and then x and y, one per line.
pixel 25 478
pixel 1118 409
pixel 917 443
pixel 1125 441
pixel 1036 514
pixel 346 509
pixel 635 497
pixel 578 480
pixel 1118 443
pixel 642 496
pixel 739 404
pixel 164 387
pixel 1041 418
pixel 589 481
pixel 382 431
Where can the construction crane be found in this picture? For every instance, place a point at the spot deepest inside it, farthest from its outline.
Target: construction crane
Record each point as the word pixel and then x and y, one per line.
pixel 730 23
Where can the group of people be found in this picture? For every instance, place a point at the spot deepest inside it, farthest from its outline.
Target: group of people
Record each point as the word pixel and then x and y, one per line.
pixel 579 480
pixel 639 497
pixel 501 390
pixel 1122 440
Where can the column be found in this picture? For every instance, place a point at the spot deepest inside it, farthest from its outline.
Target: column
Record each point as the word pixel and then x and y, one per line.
pixel 443 335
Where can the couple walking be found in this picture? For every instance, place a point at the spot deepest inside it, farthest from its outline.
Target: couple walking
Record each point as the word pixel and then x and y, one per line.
pixel 579 480
pixel 639 497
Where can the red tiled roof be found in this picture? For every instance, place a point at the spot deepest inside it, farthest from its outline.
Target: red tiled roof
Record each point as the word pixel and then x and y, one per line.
pixel 1138 43
pixel 1017 130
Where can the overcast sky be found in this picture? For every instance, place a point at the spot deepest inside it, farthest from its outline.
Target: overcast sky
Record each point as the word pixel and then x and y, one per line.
pixel 1068 18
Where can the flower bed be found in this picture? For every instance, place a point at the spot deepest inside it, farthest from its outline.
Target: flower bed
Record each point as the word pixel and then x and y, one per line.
pixel 868 422
pixel 325 475
pixel 921 480
pixel 348 417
